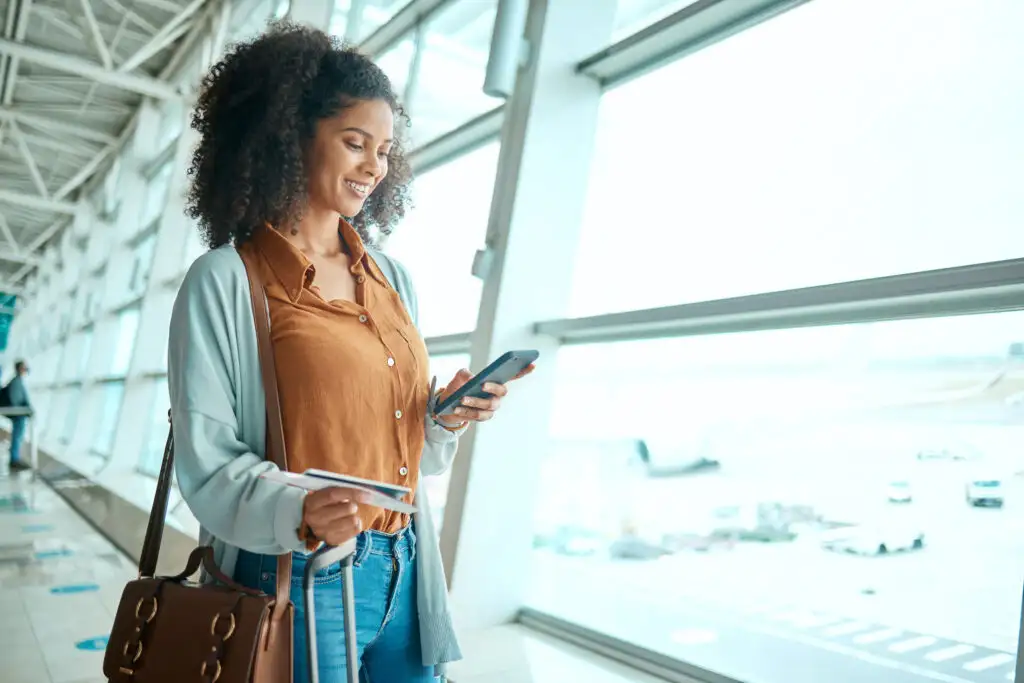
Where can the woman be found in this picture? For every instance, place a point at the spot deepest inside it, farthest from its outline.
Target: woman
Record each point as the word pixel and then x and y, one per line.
pixel 296 134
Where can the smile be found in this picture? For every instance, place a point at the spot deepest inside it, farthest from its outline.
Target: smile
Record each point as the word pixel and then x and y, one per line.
pixel 359 188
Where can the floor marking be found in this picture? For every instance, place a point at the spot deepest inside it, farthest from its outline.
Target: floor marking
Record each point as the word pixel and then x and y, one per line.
pixel 957 650
pixel 989 662
pixel 847 628
pixel 93 644
pixel 878 636
pixel 913 644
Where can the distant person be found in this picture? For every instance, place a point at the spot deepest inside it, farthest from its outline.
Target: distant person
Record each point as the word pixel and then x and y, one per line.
pixel 15 395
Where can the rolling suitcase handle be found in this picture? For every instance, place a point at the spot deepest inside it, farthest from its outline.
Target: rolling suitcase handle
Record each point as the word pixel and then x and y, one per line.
pixel 321 559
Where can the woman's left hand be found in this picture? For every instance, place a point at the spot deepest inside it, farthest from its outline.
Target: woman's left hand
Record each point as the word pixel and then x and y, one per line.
pixel 473 409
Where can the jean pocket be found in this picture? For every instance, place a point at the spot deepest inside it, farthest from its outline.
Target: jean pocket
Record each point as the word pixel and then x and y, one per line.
pixel 328 575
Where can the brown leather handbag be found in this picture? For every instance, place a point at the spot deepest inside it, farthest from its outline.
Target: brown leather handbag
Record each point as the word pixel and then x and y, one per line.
pixel 171 630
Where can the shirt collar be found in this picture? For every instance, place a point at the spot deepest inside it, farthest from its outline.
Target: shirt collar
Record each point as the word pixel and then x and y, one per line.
pixel 295 271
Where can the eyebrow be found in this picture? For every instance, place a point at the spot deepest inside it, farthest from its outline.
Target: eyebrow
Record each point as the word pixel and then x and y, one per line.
pixel 363 132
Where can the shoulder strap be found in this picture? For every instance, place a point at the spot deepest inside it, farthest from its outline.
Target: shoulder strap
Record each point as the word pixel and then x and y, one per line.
pixel 261 316
pixel 275 450
pixel 158 511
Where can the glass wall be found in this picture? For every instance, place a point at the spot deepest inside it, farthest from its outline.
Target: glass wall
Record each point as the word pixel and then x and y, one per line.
pixel 439 238
pixel 854 164
pixel 356 20
pixel 845 463
pixel 771 504
pixel 156 431
pixel 449 87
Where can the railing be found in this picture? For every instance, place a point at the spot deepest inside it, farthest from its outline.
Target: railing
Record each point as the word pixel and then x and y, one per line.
pixel 30 434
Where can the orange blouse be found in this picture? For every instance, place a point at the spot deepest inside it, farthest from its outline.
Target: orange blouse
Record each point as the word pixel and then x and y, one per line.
pixel 352 376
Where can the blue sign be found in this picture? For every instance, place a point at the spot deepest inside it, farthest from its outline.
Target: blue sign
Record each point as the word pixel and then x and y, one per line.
pixel 49 554
pixel 93 644
pixel 74 588
pixel 36 528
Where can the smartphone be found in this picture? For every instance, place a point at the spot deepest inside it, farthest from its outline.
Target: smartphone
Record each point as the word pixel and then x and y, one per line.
pixel 500 371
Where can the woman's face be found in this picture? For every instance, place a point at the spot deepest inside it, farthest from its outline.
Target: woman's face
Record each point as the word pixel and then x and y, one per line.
pixel 349 156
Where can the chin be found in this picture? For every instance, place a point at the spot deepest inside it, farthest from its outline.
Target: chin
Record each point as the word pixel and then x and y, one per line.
pixel 348 209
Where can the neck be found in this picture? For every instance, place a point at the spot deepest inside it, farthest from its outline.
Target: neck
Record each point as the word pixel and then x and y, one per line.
pixel 316 233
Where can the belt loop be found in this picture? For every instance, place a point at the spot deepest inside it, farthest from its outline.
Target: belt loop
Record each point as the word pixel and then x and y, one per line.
pixel 411 536
pixel 365 540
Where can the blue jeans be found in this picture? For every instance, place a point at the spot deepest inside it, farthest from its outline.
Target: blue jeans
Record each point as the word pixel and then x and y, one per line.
pixel 17 435
pixel 387 622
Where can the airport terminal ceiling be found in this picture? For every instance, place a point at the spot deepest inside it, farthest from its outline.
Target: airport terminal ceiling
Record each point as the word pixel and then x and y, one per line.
pixel 817 291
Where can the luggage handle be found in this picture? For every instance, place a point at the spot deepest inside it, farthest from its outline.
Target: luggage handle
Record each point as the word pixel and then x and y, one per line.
pixel 321 559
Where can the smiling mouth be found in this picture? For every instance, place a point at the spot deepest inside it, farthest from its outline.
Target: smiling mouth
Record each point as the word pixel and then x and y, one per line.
pixel 362 189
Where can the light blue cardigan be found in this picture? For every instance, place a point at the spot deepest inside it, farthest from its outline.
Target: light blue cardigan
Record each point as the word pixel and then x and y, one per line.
pixel 219 418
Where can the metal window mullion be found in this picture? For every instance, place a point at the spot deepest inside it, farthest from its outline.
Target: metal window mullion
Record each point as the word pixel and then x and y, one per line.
pixel 682 33
pixel 966 290
pixel 415 66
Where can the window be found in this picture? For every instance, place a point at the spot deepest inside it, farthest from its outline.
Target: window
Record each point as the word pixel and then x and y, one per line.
pixel 449 87
pixel 72 398
pixel 111 394
pixel 142 265
pixel 444 368
pixel 153 448
pixel 396 63
pixel 355 20
pixel 793 485
pixel 75 360
pixel 127 331
pixel 632 16
pixel 194 247
pixel 774 171
pixel 439 238
pixel 156 195
pixel 172 123
pixel 249 18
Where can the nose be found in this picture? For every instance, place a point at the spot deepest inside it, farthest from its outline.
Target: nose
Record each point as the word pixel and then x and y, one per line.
pixel 372 166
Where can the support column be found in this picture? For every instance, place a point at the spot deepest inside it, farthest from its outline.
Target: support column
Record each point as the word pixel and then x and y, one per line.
pixel 533 232
pixel 315 13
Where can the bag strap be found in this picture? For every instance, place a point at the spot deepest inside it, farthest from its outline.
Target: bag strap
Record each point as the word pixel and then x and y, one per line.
pixel 158 511
pixel 275 449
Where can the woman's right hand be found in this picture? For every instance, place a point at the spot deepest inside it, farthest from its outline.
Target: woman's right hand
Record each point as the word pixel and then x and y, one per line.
pixel 332 514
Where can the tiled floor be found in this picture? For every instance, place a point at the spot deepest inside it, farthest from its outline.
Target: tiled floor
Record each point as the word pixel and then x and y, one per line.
pixel 60 582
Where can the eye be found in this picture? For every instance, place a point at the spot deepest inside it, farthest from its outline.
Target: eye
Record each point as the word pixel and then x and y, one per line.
pixel 354 147
pixel 383 155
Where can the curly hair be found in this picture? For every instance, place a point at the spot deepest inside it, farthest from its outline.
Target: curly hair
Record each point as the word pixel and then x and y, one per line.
pixel 256 115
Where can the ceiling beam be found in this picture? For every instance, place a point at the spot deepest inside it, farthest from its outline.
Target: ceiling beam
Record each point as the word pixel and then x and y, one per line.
pixel 83 173
pixel 55 125
pixel 40 203
pixel 5 228
pixel 161 4
pixel 21 25
pixel 30 161
pixel 39 240
pixel 170 32
pixel 97 37
pixel 132 16
pixel 144 85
